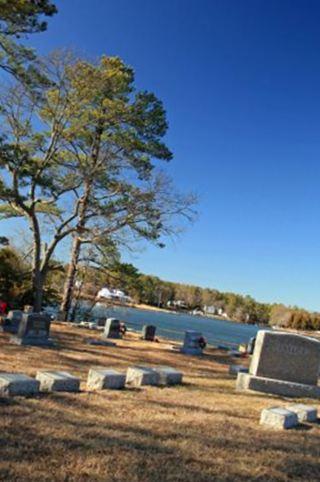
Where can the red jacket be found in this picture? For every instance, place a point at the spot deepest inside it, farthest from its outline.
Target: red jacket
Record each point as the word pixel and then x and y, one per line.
pixel 3 307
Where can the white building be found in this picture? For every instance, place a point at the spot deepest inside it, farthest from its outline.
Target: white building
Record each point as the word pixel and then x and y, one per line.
pixel 177 304
pixel 113 294
pixel 210 310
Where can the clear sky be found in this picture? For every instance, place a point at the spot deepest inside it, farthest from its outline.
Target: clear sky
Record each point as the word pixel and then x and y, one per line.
pixel 240 81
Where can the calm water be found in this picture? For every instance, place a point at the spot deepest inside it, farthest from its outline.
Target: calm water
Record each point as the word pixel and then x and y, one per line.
pixel 173 325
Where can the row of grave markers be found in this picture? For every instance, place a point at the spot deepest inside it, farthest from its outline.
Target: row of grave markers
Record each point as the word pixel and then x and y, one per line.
pixel 283 364
pixel 288 417
pixel 15 384
pixel 34 329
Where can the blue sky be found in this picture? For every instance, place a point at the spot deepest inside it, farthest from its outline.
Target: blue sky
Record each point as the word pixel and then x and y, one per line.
pixel 240 82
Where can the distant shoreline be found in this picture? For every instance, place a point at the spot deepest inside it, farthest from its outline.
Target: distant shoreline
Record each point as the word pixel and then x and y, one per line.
pixel 144 307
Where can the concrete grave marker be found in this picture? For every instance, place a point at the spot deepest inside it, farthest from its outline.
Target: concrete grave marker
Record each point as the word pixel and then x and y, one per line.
pixel 283 364
pixel 278 417
pixel 112 329
pixel 305 413
pixel 138 376
pixel 57 381
pixel 148 332
pixel 191 344
pixel 34 329
pixel 101 378
pixel 168 375
pixel 13 384
pixel 99 342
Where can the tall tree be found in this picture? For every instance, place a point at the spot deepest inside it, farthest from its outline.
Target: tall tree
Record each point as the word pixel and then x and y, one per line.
pixel 80 161
pixel 112 144
pixel 32 178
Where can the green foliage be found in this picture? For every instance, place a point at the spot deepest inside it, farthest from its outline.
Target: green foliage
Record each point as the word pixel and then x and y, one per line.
pixel 19 18
pixel 14 276
pixel 15 282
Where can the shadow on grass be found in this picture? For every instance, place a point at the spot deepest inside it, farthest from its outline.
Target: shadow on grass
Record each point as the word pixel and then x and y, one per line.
pixel 78 427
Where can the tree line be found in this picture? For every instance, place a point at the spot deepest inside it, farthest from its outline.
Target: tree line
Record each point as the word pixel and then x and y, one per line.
pixel 16 287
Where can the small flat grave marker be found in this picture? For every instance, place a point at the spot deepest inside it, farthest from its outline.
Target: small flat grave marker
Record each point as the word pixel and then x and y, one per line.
pixel 99 342
pixel 279 418
pixel 102 378
pixel 305 413
pixel 169 375
pixel 57 381
pixel 138 376
pixel 15 384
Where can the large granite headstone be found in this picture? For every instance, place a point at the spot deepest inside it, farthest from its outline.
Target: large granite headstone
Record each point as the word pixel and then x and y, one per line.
pixel 112 328
pixel 148 332
pixel 191 344
pixel 12 321
pixel 283 364
pixel 34 329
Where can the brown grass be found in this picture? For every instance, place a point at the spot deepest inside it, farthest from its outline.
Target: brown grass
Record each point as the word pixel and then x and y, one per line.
pixel 201 431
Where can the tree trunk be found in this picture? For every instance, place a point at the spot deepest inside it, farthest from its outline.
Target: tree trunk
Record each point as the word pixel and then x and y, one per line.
pixel 37 283
pixel 37 277
pixel 76 245
pixel 69 284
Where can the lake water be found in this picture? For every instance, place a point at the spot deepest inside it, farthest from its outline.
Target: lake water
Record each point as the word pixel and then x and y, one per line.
pixel 173 325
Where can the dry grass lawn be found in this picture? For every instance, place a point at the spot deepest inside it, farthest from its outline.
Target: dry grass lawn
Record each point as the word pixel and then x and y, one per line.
pixel 201 431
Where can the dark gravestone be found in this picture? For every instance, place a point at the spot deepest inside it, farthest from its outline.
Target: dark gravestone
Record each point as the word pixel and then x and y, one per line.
pixel 251 344
pixel 112 328
pixel 34 329
pixel 192 343
pixel 101 321
pixel 148 332
pixel 11 323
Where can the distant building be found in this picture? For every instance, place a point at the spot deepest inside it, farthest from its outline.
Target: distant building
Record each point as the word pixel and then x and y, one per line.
pixel 210 310
pixel 177 304
pixel 214 310
pixel 113 294
pixel 197 312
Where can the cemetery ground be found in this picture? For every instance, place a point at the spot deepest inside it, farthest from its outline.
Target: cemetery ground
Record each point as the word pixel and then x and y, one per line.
pixel 202 430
